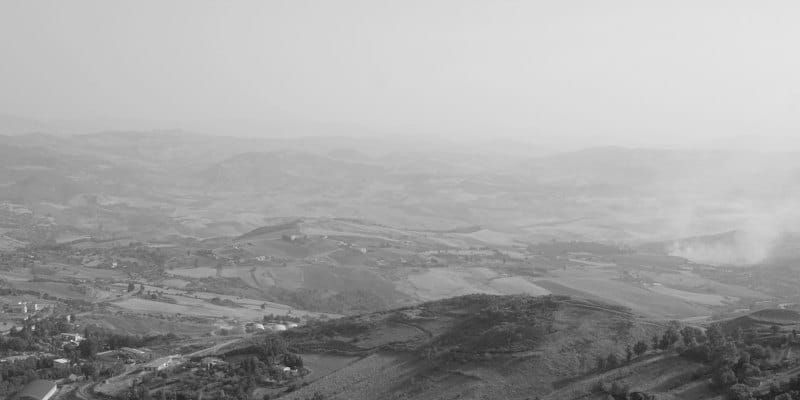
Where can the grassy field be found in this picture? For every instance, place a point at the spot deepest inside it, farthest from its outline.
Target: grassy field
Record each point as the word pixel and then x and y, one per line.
pixel 325 364
pixel 138 324
pixel 438 283
pixel 193 307
pixel 688 280
pixel 601 283
pixel 692 297
pixel 199 272
pixel 366 378
pixel 67 290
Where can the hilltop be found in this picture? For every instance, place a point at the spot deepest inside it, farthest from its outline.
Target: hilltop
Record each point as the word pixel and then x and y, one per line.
pixel 474 346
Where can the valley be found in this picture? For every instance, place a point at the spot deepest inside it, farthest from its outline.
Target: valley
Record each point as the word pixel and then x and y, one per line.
pixel 294 273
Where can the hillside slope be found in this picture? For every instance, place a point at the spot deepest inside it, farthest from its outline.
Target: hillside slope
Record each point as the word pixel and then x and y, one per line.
pixel 475 346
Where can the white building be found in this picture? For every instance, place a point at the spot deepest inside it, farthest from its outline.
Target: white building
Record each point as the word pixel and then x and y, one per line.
pixel 72 337
pixel 275 327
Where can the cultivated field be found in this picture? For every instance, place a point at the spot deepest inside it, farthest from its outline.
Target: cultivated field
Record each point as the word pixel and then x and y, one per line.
pixel 438 283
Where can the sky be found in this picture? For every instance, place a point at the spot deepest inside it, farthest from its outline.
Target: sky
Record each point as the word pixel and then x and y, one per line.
pixel 618 72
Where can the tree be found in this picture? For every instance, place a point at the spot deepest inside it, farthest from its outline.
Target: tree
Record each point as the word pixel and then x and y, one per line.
pixel 715 337
pixel 131 287
pixel 655 341
pixel 669 338
pixel 744 357
pixel 723 378
pixel 628 353
pixel 663 344
pixel 740 392
pixel 612 361
pixel 601 363
pixel 738 334
pixel 272 346
pixel 88 370
pixel 293 361
pixel 687 334
pixel 757 351
pixel 619 390
pixel 728 354
pixel 640 348
pixel 88 348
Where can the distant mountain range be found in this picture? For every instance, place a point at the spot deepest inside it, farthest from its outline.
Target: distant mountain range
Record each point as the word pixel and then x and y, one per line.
pixel 613 194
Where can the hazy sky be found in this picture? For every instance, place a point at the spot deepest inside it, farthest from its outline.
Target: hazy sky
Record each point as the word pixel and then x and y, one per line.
pixel 633 71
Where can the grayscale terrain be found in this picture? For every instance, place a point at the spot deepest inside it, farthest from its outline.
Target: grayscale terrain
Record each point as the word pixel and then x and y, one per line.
pixel 407 200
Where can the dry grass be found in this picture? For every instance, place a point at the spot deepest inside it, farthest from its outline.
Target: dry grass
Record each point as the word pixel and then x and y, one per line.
pixel 439 283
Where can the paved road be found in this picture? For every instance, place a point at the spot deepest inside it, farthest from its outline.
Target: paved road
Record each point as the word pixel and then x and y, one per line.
pixel 212 349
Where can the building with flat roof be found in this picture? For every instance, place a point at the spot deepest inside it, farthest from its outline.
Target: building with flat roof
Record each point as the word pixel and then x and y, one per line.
pixel 72 337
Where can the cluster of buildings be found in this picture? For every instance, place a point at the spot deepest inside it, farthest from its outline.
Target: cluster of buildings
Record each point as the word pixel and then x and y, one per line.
pixel 269 326
pixel 163 363
pixel 71 339
pixel 127 354
pixel 22 307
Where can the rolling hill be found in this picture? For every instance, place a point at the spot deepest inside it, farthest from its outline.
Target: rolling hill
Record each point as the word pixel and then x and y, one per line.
pixel 474 346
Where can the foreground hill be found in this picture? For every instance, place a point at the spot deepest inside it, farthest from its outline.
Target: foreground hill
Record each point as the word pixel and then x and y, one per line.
pixel 474 346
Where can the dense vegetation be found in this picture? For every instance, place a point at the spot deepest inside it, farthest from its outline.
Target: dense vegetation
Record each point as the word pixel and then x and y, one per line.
pixel 494 324
pixel 258 362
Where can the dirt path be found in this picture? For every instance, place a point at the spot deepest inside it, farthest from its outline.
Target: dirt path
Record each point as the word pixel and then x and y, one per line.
pixel 698 387
pixel 212 349
pixel 417 327
pixel 610 311
pixel 84 392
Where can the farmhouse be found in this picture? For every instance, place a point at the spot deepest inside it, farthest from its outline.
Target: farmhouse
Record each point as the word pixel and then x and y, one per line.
pixel 275 327
pixel 38 390
pixel 210 362
pixel 163 363
pixel 61 363
pixel 140 354
pixel 21 308
pixel 72 337
pixel 254 326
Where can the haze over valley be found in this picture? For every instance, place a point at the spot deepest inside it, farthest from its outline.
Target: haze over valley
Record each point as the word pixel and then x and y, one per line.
pixel 416 200
pixel 169 232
